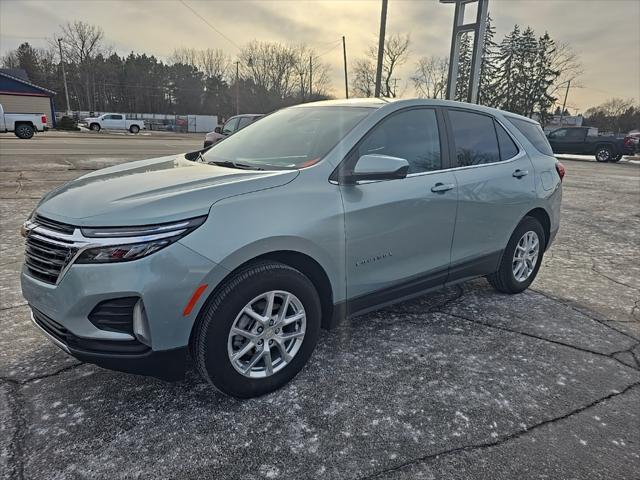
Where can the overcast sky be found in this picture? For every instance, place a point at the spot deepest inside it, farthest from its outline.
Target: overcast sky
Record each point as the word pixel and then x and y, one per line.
pixel 606 33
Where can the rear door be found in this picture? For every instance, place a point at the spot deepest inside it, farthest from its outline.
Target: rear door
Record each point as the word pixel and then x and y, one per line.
pixel 495 181
pixel 399 232
pixel 575 140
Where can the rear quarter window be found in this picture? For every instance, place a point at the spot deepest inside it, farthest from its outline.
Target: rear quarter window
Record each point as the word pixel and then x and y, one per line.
pixel 533 132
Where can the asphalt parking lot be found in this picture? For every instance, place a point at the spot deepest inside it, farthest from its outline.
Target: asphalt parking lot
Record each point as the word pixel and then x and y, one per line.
pixel 461 384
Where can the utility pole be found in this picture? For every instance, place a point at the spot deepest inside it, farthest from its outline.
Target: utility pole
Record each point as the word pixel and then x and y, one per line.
pixel 383 26
pixel 310 75
pixel 302 86
pixel 564 104
pixel 64 78
pixel 344 54
pixel 237 87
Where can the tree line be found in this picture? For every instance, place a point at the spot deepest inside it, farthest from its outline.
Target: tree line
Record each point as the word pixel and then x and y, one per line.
pixel 266 76
pixel 523 73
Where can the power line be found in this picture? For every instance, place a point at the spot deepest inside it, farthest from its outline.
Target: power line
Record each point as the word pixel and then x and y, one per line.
pixel 211 26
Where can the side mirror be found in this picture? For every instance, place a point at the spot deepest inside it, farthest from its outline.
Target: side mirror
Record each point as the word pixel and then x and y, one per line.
pixel 376 167
pixel 218 129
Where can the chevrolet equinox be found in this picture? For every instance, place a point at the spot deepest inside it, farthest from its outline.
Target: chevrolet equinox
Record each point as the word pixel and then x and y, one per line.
pixel 240 254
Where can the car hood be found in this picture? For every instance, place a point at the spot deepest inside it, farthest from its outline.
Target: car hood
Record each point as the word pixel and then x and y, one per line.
pixel 152 191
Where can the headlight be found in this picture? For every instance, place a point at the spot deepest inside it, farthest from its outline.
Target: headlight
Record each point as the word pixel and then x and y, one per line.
pixel 124 244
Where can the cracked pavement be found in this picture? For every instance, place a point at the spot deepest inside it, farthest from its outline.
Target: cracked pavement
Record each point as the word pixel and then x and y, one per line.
pixel 464 383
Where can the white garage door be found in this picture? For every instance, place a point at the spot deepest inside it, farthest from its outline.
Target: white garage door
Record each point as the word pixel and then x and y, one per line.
pixel 27 104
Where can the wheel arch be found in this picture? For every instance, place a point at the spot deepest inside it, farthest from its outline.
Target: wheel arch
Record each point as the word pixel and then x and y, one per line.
pixel 302 262
pixel 543 217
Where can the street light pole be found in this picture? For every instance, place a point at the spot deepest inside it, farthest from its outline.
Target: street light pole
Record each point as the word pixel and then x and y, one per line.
pixel 564 104
pixel 64 78
pixel 310 75
pixel 383 26
pixel 237 87
pixel 344 54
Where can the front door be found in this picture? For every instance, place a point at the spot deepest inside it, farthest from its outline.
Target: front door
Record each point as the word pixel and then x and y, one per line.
pixel 399 232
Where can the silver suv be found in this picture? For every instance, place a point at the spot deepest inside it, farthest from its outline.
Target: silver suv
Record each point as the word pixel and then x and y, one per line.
pixel 239 255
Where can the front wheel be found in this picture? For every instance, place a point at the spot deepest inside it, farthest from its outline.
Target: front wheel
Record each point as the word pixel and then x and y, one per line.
pixel 95 127
pixel 521 259
pixel 258 330
pixel 603 154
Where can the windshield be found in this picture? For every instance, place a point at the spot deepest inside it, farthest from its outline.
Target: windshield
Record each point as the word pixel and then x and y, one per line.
pixel 289 138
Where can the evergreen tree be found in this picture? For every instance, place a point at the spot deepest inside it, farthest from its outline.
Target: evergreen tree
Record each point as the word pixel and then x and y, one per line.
pixel 506 77
pixel 464 67
pixel 488 67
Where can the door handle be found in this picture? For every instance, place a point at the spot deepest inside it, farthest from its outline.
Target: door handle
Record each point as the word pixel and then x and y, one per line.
pixel 442 187
pixel 520 173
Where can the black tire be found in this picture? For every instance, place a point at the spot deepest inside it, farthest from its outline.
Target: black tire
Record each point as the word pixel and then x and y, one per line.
pixel 603 154
pixel 95 127
pixel 504 279
pixel 24 131
pixel 616 158
pixel 134 129
pixel 209 340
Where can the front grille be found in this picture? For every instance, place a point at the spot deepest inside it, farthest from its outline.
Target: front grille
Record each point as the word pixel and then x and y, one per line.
pixel 48 249
pixel 57 331
pixel 45 259
pixel 114 315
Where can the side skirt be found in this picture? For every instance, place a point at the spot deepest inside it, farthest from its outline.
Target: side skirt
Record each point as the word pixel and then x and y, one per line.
pixel 416 287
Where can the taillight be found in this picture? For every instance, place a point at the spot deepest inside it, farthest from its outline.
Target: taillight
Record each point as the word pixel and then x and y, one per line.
pixel 627 141
pixel 44 119
pixel 560 169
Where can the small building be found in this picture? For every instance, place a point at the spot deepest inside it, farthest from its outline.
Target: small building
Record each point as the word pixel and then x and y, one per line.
pixel 19 95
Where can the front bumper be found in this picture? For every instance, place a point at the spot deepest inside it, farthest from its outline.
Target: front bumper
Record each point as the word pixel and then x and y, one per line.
pixel 165 282
pixel 134 357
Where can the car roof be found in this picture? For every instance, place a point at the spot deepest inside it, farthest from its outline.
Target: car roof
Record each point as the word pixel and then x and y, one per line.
pixel 411 102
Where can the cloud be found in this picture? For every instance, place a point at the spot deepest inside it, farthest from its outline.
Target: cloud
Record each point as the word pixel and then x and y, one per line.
pixel 604 32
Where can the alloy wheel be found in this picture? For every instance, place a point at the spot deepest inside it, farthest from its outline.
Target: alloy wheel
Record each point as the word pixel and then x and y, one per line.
pixel 525 256
pixel 267 334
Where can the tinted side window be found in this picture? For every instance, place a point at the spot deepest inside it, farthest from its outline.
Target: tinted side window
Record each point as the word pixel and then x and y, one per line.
pixel 508 148
pixel 116 117
pixel 412 135
pixel 575 133
pixel 559 133
pixel 230 126
pixel 534 134
pixel 475 138
pixel 244 121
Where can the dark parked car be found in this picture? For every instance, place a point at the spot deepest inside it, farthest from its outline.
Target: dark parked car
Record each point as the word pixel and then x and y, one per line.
pixel 230 126
pixel 586 141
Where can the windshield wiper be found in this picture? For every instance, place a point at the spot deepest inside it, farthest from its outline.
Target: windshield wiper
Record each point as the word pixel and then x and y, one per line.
pixel 230 164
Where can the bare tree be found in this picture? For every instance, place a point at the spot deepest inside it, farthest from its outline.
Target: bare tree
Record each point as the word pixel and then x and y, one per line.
pixel 283 70
pixel 396 51
pixel 567 63
pixel 213 62
pixel 430 78
pixel 363 77
pixel 81 44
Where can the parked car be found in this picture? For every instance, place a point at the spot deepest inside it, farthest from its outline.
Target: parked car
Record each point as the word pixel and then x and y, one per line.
pixel 114 121
pixel 23 125
pixel 315 212
pixel 587 141
pixel 231 126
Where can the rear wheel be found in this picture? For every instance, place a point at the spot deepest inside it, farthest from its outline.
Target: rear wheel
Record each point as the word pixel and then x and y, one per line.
pixel 604 154
pixel 134 129
pixel 616 158
pixel 24 131
pixel 521 259
pixel 258 330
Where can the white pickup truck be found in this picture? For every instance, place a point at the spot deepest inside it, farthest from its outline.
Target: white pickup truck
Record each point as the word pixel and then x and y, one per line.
pixel 113 121
pixel 23 125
